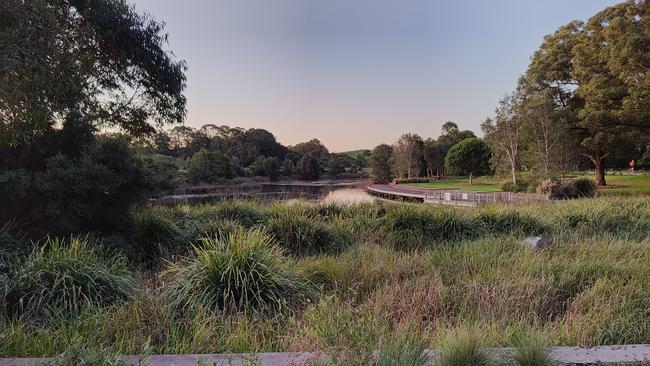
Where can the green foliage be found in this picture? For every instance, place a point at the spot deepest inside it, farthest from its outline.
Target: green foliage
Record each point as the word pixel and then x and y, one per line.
pixel 155 235
pixel 98 48
pixel 380 163
pixel 81 355
pixel 569 189
pixel 409 227
pixel 532 352
pixel 209 166
pixel 462 349
pixel 246 270
pixel 298 231
pixel 93 192
pixel 469 157
pixel 406 352
pixel 68 278
pixel 591 70
pixel 509 186
pixel 162 173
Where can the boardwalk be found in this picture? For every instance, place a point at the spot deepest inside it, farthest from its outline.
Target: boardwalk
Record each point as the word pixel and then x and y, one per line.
pixel 453 196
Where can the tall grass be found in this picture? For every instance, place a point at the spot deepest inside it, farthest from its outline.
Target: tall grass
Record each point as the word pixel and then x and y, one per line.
pixel 246 270
pixel 464 348
pixel 69 277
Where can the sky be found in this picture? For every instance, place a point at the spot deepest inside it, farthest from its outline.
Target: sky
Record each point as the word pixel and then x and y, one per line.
pixel 355 73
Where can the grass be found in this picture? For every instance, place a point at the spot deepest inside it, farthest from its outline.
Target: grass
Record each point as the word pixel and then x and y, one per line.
pixel 68 278
pixel 625 184
pixel 479 184
pixel 245 270
pixel 402 271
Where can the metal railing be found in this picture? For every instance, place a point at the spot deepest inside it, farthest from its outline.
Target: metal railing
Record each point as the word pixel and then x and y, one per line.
pixel 470 198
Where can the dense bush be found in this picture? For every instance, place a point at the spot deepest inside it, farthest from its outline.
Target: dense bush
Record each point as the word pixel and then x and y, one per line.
pixel 68 278
pixel 568 189
pixel 155 235
pixel 162 173
pixel 509 186
pixel 246 270
pixel 209 166
pixel 89 193
pixel 413 180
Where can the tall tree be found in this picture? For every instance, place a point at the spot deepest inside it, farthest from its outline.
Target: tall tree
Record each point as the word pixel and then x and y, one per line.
pixel 469 157
pixel 408 155
pixel 96 57
pixel 433 157
pixel 450 136
pixel 380 163
pixel 599 71
pixel 503 134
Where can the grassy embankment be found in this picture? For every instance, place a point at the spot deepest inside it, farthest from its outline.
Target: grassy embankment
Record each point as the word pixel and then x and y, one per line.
pixel 345 280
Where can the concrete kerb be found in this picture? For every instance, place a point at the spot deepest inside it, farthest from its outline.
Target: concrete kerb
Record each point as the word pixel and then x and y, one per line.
pixel 612 355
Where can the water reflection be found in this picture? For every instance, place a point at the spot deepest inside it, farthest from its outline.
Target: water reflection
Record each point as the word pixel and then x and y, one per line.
pixel 347 196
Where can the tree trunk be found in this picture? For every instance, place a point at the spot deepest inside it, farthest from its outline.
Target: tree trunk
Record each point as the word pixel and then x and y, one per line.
pixel 514 175
pixel 598 161
pixel 470 178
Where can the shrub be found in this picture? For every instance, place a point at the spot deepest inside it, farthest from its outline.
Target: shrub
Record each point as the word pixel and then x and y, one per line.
pixel 406 352
pixel 413 180
pixel 12 241
pixel 209 166
pixel 69 277
pixel 509 186
pixel 462 349
pixel 244 271
pixel 569 189
pixel 298 231
pixel 155 235
pixel 533 353
pixel 89 193
pixel 247 214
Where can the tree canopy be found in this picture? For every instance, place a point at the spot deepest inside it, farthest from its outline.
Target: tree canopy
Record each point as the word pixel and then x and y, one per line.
pixel 469 157
pixel 598 72
pixel 98 57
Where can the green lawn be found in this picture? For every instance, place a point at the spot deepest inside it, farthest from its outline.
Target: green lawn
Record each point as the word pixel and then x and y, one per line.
pixel 625 184
pixel 480 184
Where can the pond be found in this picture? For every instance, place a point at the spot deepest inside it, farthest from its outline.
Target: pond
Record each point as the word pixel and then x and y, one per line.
pixel 329 192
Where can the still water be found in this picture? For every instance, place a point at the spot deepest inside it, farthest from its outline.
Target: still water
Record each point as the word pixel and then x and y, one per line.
pixel 347 196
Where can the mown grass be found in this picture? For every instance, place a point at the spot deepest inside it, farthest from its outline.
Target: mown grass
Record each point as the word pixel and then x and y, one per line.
pixel 374 274
pixel 479 184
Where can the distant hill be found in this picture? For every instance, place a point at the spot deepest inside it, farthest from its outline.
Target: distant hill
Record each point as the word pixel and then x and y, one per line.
pixel 355 153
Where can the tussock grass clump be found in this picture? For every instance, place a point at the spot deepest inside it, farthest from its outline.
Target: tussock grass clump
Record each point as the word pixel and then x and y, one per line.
pixel 245 271
pixel 405 352
pixel 245 213
pixel 69 277
pixel 155 234
pixel 410 226
pixel 298 231
pixel 498 220
pixel 462 349
pixel 12 241
pixel 532 352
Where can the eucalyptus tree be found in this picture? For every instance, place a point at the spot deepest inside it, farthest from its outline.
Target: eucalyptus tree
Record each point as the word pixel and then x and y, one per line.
pixel 97 57
pixel 598 72
pixel 504 134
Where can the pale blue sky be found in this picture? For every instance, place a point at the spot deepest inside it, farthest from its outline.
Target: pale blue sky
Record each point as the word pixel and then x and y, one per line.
pixel 355 73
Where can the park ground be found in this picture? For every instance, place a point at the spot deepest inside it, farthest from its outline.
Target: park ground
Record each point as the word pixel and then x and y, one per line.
pixel 618 183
